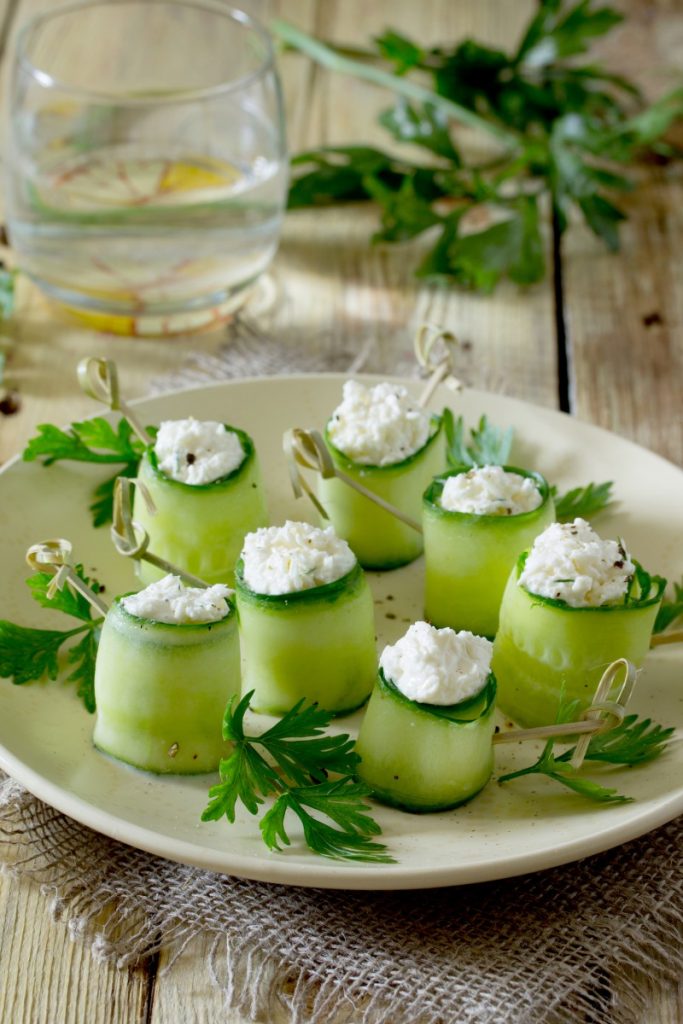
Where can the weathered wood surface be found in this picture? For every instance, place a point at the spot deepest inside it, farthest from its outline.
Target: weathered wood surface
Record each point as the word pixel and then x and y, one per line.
pixel 623 323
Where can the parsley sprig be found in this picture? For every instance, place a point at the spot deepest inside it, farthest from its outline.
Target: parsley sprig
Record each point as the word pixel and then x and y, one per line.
pixel 633 741
pixel 582 502
pixel 95 440
pixel 561 126
pixel 488 445
pixel 671 609
pixel 28 654
pixel 300 758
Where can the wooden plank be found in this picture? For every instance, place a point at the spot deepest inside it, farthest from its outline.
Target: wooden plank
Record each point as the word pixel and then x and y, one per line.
pixel 48 978
pixel 624 312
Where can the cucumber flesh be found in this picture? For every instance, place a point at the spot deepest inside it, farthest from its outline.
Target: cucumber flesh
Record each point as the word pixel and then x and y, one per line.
pixel 161 691
pixel 378 539
pixel 316 645
pixel 200 528
pixel 421 761
pixel 545 654
pixel 468 558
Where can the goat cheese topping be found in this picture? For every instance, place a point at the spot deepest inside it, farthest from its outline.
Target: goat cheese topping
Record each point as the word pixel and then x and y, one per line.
pixel 296 556
pixel 378 426
pixel 197 451
pixel 437 666
pixel 490 491
pixel 571 563
pixel 169 600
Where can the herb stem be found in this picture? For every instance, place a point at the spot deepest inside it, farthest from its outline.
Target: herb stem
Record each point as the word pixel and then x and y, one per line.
pixel 411 90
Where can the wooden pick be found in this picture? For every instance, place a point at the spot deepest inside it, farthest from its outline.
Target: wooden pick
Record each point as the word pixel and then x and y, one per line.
pixel 601 716
pixel 53 556
pixel 306 449
pixel 131 539
pixel 434 352
pixel 99 379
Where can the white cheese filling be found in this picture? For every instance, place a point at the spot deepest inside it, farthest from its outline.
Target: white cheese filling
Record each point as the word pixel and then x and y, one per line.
pixel 437 666
pixel 168 600
pixel 571 563
pixel 197 451
pixel 490 491
pixel 296 556
pixel 378 426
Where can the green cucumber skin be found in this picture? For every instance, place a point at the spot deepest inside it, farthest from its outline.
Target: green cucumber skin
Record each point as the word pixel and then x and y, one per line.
pixel 468 559
pixel 202 529
pixel 157 685
pixel 420 762
pixel 377 538
pixel 320 650
pixel 544 654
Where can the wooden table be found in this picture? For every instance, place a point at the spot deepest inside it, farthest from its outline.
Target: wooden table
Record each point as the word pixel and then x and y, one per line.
pixel 601 337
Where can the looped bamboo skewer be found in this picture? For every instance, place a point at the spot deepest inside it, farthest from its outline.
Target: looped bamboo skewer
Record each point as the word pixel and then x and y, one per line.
pixel 438 366
pixel 131 539
pixel 53 556
pixel 601 716
pixel 306 449
pixel 99 379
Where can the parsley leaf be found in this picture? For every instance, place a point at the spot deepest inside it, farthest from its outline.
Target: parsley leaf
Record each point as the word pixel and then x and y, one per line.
pixel 559 121
pixel 633 741
pixel 27 655
pixel 582 502
pixel 343 803
pixel 95 440
pixel 30 654
pixel 303 755
pixel 7 282
pixel 671 609
pixel 488 445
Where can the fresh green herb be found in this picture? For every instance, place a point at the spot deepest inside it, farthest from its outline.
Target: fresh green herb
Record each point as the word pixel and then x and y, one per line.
pixel 562 127
pixel 301 756
pixel 487 445
pixel 94 440
pixel 27 654
pixel 582 502
pixel 642 586
pixel 7 282
pixel 634 741
pixel 671 609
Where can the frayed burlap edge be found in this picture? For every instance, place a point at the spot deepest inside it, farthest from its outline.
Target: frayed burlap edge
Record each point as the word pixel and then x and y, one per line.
pixel 531 950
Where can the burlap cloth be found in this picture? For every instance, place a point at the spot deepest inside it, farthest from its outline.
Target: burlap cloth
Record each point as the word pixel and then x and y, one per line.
pixel 548 947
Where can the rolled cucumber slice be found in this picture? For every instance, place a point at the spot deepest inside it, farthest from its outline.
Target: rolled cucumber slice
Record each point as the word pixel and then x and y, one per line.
pixel 378 539
pixel 468 558
pixel 316 644
pixel 161 691
pixel 547 652
pixel 201 527
pixel 425 757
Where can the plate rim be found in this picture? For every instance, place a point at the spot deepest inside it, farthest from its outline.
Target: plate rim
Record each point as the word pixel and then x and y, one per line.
pixel 340 874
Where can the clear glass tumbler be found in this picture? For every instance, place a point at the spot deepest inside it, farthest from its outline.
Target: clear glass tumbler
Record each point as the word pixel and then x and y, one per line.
pixel 146 166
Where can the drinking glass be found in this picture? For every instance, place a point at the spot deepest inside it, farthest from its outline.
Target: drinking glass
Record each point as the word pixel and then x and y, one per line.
pixel 146 170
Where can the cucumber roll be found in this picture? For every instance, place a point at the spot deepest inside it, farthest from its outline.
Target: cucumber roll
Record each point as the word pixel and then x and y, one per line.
pixel 168 663
pixel 379 438
pixel 425 742
pixel 306 620
pixel 205 482
pixel 476 523
pixel 572 605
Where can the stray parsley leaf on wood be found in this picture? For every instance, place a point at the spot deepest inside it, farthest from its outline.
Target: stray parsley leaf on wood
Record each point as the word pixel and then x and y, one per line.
pixel 27 655
pixel 301 755
pixel 95 440
pixel 562 126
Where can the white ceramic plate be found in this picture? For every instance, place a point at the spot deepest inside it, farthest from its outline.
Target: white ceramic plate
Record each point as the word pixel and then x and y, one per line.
pixel 506 830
